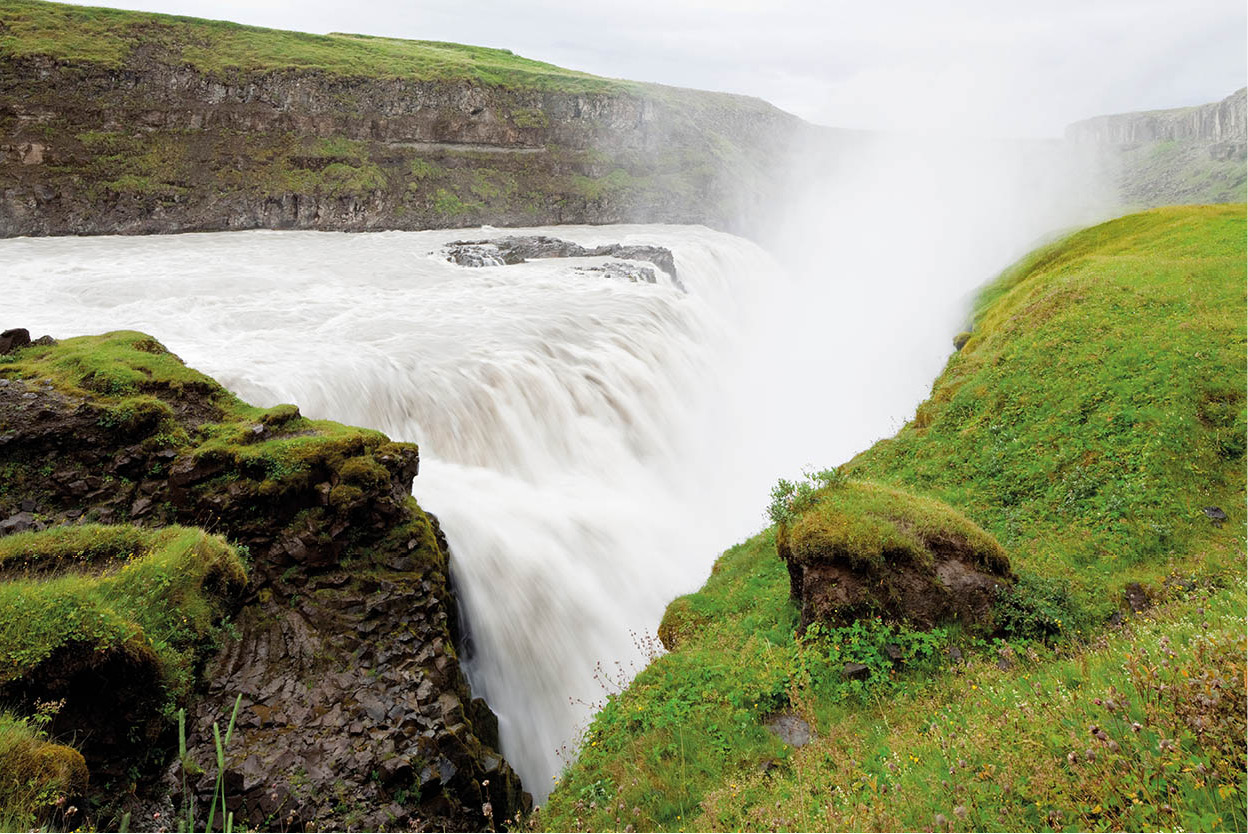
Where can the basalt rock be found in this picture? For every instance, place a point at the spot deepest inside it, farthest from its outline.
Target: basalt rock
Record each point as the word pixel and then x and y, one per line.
pixel 862 550
pixel 345 655
pixel 517 250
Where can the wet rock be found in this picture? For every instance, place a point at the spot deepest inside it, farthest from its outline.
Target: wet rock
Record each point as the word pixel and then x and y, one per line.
pixel 630 273
pixel 518 249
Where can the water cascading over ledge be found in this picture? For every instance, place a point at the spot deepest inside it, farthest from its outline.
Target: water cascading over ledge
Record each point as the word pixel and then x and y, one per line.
pixel 564 413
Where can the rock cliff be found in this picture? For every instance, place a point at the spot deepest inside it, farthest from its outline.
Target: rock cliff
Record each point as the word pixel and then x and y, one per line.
pixel 1186 155
pixel 354 712
pixel 120 122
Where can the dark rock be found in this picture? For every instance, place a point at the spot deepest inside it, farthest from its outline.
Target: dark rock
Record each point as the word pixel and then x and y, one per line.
pixel 954 654
pixel 789 728
pixel 894 653
pixel 394 771
pixel 15 339
pixel 1137 597
pixel 45 341
pixel 856 672
pixel 321 710
pixel 516 250
pixel 18 523
pixel 1216 515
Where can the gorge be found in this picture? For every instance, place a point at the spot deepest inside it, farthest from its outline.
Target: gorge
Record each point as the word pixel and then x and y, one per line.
pixel 610 314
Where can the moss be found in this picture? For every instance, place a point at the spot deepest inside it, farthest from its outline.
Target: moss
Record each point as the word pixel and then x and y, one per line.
pixel 869 525
pixel 280 415
pixel 165 589
pixel 680 621
pixel 529 117
pixel 364 472
pixel 37 777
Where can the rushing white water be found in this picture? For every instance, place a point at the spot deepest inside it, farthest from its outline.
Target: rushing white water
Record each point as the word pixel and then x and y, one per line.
pixel 590 445
pixel 572 426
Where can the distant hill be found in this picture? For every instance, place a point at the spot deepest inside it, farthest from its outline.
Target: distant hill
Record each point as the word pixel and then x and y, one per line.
pixel 1186 155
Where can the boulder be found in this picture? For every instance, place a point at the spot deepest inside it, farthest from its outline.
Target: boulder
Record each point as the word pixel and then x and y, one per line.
pixel 11 340
pixel 861 549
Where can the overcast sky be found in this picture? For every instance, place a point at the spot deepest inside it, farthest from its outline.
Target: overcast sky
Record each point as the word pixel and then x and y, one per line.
pixel 971 66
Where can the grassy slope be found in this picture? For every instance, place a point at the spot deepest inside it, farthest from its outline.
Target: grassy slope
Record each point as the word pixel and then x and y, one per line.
pixel 161 592
pixel 1097 408
pixel 111 36
pixel 156 598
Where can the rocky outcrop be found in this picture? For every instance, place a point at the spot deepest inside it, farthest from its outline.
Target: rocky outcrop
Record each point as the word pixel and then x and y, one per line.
pixel 1164 157
pixel 862 550
pixel 1223 121
pixel 160 140
pixel 517 250
pixel 354 712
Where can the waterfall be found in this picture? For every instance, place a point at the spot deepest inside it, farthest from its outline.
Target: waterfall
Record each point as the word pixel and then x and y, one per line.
pixel 577 430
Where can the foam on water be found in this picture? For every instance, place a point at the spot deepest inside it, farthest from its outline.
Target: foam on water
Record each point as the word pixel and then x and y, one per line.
pixel 571 426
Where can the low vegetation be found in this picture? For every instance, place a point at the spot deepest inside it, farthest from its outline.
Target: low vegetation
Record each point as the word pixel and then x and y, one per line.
pixel 1089 419
pixel 110 36
pixel 102 627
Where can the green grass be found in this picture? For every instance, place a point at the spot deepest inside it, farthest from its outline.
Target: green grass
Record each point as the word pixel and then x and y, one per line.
pixel 37 777
pixel 1097 407
pixel 112 37
pixel 157 595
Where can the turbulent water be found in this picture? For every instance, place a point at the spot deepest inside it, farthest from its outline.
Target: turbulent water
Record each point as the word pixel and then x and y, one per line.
pixel 576 431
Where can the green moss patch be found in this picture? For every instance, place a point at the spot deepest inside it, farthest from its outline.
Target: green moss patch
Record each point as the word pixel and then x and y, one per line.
pixel 40 782
pixel 143 594
pixel 868 525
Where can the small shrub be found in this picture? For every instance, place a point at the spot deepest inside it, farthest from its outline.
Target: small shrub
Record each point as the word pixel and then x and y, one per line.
pixel 789 498
pixel 1036 608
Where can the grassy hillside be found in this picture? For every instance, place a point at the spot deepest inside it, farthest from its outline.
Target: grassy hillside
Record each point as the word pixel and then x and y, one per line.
pixel 1093 413
pixel 112 37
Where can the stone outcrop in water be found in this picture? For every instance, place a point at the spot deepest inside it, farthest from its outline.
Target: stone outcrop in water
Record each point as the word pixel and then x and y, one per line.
pixel 518 249
pixel 354 711
pixel 162 128
pixel 863 550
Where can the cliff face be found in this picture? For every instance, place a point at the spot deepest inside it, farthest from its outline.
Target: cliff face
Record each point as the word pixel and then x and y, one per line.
pixel 1220 121
pixel 1187 155
pixel 158 138
pixel 354 712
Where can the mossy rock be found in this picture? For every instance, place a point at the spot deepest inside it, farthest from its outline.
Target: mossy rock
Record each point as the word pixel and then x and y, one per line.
pixel 680 621
pixel 113 622
pixel 863 549
pixel 42 785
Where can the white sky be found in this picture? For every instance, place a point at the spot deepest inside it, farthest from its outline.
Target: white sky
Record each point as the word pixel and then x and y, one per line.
pixel 996 67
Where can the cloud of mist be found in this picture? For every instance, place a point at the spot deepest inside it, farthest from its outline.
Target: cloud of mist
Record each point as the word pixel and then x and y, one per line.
pixel 886 239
